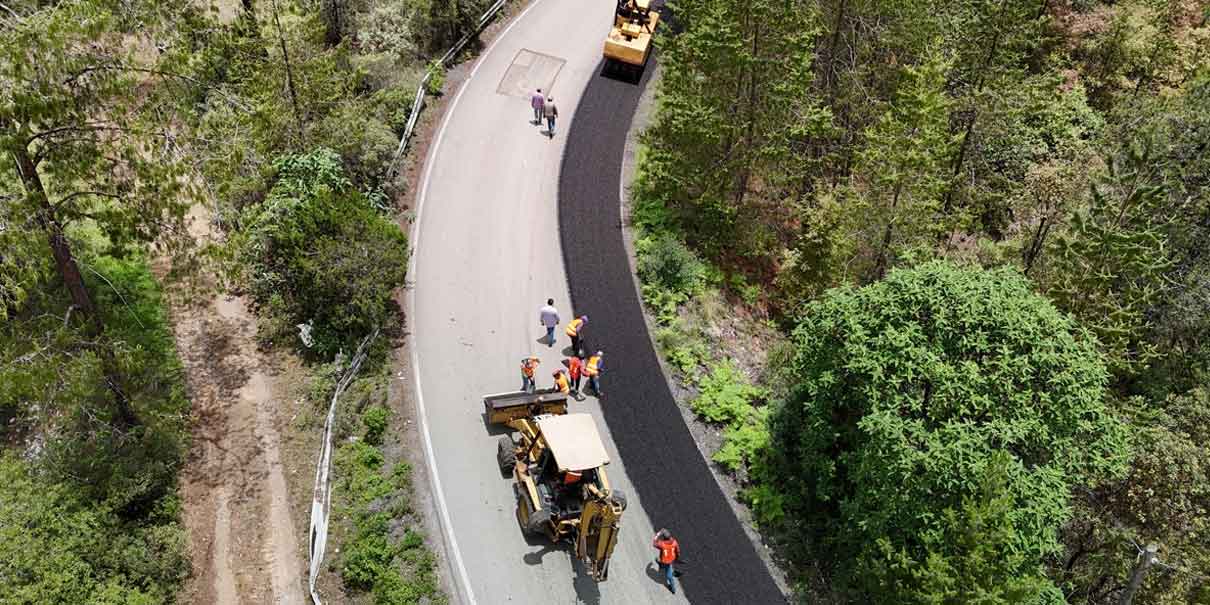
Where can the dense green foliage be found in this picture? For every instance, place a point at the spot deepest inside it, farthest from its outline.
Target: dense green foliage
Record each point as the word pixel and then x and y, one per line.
pixel 1065 141
pixel 905 391
pixel 318 253
pixel 89 512
pixel 384 554
pixel 116 120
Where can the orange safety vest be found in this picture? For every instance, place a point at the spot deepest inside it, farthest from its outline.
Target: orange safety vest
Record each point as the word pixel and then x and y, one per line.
pixel 561 383
pixel 571 477
pixel 574 367
pixel 527 367
pixel 573 327
pixel 669 550
pixel 590 368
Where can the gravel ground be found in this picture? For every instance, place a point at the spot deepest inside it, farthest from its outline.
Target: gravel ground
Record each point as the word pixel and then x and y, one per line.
pixel 676 486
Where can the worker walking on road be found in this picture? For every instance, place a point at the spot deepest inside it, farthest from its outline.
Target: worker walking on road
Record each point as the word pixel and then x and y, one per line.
pixel 551 111
pixel 528 365
pixel 575 371
pixel 548 316
pixel 562 384
pixel 592 369
pixel 575 331
pixel 669 552
pixel 538 102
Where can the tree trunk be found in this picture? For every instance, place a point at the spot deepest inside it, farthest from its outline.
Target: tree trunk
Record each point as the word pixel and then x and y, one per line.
pixel 73 280
pixel 1034 250
pixel 333 32
pixel 883 250
pixel 281 38
pixel 970 125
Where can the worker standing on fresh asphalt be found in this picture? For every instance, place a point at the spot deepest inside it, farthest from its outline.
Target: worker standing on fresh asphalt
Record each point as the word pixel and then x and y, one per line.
pixel 561 383
pixel 592 369
pixel 548 316
pixel 551 111
pixel 575 367
pixel 528 365
pixel 575 331
pixel 669 552
pixel 537 101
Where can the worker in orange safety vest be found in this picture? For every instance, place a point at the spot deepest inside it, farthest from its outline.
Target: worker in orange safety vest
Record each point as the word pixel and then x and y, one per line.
pixel 561 383
pixel 528 365
pixel 669 552
pixel 592 369
pixel 575 371
pixel 575 330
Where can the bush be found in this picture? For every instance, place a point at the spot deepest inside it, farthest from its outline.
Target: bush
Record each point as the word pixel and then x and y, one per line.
pixel 375 418
pixel 365 141
pixel 904 391
pixel 321 254
pixel 665 261
pixel 57 548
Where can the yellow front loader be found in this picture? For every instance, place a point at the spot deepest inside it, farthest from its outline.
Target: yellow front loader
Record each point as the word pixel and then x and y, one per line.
pixel 557 462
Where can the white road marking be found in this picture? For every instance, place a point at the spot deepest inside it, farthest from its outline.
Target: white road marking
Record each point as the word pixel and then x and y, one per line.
pixel 463 578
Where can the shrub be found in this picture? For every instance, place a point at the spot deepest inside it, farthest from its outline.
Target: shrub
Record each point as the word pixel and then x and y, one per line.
pixel 331 258
pixel 57 548
pixel 665 261
pixel 363 139
pixel 904 391
pixel 375 419
pixel 726 395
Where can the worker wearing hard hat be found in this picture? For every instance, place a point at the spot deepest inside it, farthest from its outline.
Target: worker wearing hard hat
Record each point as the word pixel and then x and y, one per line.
pixel 562 384
pixel 528 365
pixel 575 331
pixel 592 369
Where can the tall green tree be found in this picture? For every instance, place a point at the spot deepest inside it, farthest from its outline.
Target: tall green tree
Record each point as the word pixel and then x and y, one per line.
pixel 734 105
pixel 905 394
pixel 71 122
pixel 905 161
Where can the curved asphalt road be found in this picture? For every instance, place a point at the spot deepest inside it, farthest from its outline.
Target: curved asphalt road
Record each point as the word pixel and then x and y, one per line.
pixel 486 258
pixel 673 480
pixel 488 253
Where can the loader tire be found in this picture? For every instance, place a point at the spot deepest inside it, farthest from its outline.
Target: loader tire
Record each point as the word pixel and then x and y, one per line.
pixel 538 522
pixel 506 454
pixel 618 496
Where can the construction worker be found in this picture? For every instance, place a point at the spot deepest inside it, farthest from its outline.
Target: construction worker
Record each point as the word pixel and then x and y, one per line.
pixel 669 552
pixel 561 382
pixel 575 330
pixel 592 369
pixel 528 365
pixel 575 371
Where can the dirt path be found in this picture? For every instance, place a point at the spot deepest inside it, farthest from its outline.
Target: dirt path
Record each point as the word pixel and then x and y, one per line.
pixel 236 504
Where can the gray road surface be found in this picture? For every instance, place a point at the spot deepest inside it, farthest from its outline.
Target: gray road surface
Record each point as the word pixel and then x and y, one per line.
pixel 487 257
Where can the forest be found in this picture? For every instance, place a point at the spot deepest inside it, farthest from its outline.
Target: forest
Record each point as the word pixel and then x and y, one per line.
pixel 938 274
pixel 128 129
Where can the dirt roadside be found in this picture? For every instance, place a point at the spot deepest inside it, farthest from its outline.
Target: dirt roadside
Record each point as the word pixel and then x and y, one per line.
pixel 242 544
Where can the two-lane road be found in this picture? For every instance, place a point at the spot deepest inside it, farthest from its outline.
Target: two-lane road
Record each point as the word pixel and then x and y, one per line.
pixel 487 256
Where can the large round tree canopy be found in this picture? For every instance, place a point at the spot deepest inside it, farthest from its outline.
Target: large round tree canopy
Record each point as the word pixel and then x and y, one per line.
pixel 904 391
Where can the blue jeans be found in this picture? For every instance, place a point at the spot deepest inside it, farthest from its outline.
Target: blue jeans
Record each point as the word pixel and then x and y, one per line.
pixel 550 125
pixel 538 115
pixel 669 580
pixel 527 383
pixel 594 383
pixel 550 335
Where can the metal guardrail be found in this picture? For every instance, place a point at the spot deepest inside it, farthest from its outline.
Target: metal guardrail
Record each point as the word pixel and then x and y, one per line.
pixel 418 102
pixel 321 497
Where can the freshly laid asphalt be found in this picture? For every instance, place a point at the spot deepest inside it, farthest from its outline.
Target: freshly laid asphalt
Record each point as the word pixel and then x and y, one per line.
pixel 662 460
